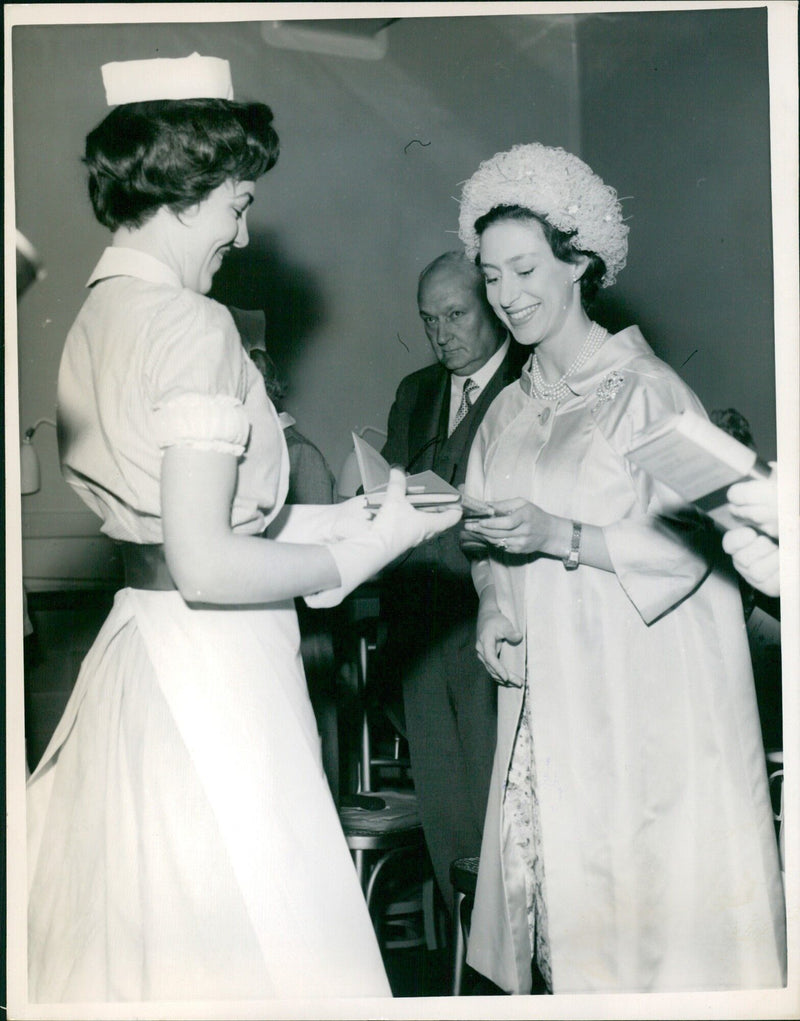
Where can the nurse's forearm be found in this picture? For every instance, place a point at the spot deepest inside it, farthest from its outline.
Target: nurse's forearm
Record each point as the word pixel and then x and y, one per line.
pixel 243 569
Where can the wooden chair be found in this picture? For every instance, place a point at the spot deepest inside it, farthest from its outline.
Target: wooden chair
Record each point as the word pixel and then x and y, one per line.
pixel 383 829
pixel 775 772
pixel 464 877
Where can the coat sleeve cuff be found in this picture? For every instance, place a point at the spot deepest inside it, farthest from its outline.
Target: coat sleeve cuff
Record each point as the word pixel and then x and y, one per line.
pixel 658 562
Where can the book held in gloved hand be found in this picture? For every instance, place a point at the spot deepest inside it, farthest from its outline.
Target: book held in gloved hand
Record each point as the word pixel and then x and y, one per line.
pixel 699 461
pixel 425 489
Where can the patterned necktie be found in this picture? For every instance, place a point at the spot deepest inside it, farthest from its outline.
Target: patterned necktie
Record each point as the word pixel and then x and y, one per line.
pixel 466 403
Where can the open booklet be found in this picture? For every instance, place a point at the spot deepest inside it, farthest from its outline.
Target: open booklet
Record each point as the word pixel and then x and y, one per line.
pixel 699 461
pixel 425 489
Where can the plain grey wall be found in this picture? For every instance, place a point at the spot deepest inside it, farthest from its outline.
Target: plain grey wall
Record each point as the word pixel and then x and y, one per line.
pixel 669 108
pixel 689 95
pixel 341 227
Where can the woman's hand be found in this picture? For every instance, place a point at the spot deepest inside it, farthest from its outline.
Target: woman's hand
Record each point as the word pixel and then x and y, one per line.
pixel 349 518
pixel 756 501
pixel 472 545
pixel 395 528
pixel 516 527
pixel 402 525
pixel 755 557
pixel 494 629
pixel 321 523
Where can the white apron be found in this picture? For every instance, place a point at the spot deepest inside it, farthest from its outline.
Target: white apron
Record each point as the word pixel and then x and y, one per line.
pixel 238 741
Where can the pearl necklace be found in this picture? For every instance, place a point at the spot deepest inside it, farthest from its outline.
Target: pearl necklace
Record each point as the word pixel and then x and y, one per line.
pixel 559 390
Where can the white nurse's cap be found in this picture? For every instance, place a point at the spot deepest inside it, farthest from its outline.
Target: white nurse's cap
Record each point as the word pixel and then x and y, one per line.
pixel 194 77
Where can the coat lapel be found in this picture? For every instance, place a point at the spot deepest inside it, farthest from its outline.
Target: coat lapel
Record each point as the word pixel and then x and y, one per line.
pixel 454 451
pixel 425 428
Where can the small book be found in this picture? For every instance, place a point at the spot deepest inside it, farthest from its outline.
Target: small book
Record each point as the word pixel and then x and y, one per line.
pixel 424 489
pixel 699 461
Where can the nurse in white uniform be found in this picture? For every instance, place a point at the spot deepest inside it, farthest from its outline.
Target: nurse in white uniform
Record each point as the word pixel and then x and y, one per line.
pixel 183 843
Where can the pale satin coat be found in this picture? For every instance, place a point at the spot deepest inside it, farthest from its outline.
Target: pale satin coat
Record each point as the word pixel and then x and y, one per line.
pixel 660 862
pixel 183 843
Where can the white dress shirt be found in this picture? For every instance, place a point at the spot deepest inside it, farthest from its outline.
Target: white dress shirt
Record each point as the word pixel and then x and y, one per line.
pixel 479 378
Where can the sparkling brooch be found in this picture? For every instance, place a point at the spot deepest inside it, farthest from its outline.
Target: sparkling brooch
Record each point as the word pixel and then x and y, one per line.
pixel 608 389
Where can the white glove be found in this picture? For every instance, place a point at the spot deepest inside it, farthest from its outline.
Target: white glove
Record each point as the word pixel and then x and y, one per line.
pixel 350 519
pixel 321 523
pixel 756 557
pixel 396 528
pixel 756 501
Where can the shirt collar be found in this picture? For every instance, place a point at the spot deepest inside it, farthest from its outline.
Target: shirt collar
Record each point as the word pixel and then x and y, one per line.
pixel 615 351
pixel 485 372
pixel 119 261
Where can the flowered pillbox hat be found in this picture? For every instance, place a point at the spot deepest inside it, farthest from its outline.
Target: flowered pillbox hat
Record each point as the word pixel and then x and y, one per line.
pixel 556 185
pixel 141 81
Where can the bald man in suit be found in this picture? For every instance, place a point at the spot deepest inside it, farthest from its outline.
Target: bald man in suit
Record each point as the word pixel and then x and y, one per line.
pixel 428 600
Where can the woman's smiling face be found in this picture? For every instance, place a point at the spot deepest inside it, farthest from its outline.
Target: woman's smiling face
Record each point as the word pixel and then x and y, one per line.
pixel 214 226
pixel 530 290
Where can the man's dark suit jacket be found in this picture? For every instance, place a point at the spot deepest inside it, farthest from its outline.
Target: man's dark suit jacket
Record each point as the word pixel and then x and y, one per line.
pixel 430 607
pixel 429 604
pixel 418 440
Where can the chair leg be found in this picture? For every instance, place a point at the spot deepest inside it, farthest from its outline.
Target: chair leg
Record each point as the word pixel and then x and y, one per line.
pixel 378 869
pixel 429 913
pixel 459 945
pixel 358 859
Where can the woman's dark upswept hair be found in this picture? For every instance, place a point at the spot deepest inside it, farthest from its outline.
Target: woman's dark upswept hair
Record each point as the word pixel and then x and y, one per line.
pixel 174 153
pixel 560 245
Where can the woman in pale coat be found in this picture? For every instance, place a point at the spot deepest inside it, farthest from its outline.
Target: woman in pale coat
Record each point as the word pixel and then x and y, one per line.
pixel 629 842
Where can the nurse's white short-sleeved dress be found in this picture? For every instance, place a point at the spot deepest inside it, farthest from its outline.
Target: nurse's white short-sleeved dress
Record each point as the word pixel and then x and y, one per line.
pixel 183 842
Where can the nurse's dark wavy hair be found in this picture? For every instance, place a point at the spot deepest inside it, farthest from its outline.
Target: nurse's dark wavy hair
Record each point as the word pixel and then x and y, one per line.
pixel 174 153
pixel 560 245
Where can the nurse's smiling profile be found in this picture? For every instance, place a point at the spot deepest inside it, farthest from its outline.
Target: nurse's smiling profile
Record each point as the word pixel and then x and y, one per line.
pixel 629 843
pixel 194 241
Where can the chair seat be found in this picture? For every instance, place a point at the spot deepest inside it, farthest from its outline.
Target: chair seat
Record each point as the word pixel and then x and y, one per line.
pixel 382 827
pixel 393 825
pixel 464 875
pixel 387 830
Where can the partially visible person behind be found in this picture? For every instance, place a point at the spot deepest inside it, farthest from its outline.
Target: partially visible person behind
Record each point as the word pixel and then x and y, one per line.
pixel 311 480
pixel 755 551
pixel 629 841
pixel 182 839
pixel 428 601
pixel 310 477
pixel 734 424
pixel 758 570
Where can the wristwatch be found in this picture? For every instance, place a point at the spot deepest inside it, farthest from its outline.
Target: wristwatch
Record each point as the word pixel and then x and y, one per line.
pixel 573 558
